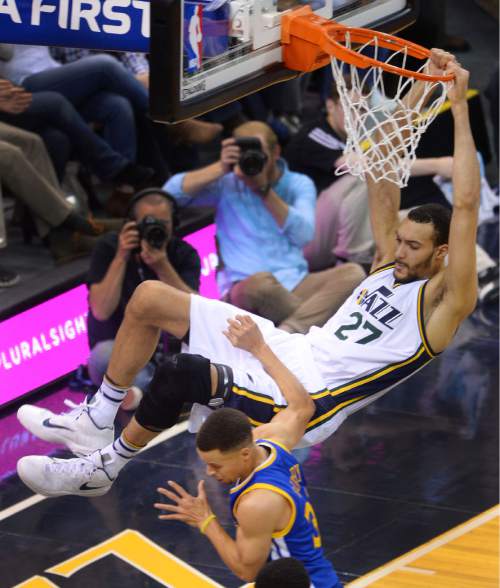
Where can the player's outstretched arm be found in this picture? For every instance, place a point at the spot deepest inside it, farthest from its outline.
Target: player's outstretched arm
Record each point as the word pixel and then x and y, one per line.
pixel 461 275
pixel 259 514
pixel 384 199
pixel 289 425
pixel 459 283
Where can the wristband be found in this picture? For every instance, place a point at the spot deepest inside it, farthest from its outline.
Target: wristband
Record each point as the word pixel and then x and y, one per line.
pixel 206 522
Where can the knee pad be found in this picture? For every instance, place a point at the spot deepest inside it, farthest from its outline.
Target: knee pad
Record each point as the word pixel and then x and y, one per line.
pixel 179 379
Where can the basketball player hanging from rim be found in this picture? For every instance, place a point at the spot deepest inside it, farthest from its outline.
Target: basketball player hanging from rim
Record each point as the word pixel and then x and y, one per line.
pixel 397 320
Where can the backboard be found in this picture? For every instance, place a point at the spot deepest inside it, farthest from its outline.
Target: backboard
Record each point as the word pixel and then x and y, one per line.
pixel 206 53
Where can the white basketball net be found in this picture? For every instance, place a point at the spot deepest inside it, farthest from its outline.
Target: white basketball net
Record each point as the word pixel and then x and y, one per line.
pixel 383 133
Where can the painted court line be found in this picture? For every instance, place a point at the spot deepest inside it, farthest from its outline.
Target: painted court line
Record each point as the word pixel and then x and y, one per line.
pixel 418 571
pixel 400 562
pixel 36 498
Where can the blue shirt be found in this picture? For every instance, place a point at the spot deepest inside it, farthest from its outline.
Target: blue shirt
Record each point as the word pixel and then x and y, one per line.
pixel 249 238
pixel 301 539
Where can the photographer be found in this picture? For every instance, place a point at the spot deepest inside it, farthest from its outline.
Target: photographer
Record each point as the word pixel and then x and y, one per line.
pixel 264 217
pixel 145 249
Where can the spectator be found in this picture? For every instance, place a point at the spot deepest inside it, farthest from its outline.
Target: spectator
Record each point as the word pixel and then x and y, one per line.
pixel 263 222
pixel 118 267
pixel 51 115
pixel 26 170
pixel 189 131
pixel 316 148
pixel 78 86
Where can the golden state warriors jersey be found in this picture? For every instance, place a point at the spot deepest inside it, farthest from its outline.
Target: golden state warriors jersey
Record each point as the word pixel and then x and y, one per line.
pixel 374 341
pixel 300 539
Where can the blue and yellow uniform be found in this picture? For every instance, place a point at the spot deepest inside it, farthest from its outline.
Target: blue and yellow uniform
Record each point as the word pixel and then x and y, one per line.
pixel 281 473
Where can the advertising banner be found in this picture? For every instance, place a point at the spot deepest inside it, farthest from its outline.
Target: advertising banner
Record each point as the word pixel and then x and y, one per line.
pixel 118 25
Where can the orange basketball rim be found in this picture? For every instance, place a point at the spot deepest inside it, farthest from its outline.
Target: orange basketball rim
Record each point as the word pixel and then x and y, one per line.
pixel 310 41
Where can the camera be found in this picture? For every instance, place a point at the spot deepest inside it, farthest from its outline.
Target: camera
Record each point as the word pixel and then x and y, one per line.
pixel 153 231
pixel 252 158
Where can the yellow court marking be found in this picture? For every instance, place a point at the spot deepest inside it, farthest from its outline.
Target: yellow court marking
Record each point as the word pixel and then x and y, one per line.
pixel 145 555
pixel 37 582
pixel 464 557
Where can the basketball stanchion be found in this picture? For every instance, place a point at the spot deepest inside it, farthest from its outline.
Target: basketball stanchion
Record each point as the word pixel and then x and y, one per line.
pixel 383 128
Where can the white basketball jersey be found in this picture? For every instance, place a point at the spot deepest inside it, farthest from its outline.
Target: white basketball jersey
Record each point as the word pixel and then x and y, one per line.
pixel 374 341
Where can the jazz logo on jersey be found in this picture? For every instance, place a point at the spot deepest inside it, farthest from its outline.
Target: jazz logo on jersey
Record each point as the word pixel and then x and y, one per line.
pixel 376 305
pixel 194 45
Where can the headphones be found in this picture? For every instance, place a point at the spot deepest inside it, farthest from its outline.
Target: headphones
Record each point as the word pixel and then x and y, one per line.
pixel 146 192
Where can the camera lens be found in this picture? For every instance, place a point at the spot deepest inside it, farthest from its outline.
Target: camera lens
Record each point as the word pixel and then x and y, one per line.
pixel 252 162
pixel 153 231
pixel 155 236
pixel 252 157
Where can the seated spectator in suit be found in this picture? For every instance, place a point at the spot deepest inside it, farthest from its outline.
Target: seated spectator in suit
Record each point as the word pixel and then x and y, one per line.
pixel 264 217
pixel 121 261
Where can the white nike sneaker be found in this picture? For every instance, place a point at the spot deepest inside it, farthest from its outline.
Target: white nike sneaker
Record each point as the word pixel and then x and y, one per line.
pixel 50 476
pixel 75 429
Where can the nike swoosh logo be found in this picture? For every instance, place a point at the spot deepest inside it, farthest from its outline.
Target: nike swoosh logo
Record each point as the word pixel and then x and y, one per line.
pixel 47 423
pixel 87 487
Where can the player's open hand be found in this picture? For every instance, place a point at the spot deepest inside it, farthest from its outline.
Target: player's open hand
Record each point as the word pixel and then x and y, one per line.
pixel 192 510
pixel 244 333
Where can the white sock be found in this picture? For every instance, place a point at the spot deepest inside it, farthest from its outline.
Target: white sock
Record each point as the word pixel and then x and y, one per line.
pixel 106 402
pixel 117 454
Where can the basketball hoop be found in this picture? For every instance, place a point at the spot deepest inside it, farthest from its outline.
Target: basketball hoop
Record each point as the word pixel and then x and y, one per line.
pixel 382 133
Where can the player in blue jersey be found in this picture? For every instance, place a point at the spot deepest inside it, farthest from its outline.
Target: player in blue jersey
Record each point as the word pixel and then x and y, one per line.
pixel 269 500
